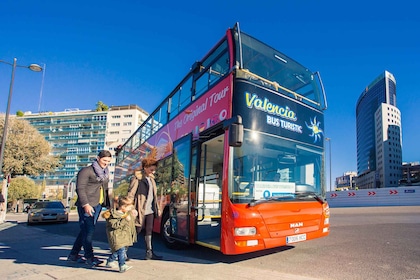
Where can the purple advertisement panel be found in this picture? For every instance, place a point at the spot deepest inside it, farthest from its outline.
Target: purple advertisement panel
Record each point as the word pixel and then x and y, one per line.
pixel 269 112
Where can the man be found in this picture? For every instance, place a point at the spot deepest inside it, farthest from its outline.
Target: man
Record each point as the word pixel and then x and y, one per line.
pixel 91 189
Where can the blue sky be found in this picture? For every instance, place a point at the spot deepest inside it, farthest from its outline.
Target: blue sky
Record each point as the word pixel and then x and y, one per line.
pixel 127 52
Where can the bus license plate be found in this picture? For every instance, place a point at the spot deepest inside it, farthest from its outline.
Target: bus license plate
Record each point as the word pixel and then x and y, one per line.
pixel 295 238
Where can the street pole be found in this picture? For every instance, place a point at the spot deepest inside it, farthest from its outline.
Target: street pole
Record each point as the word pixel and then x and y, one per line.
pixel 33 67
pixel 3 143
pixel 68 190
pixel 42 88
pixel 329 152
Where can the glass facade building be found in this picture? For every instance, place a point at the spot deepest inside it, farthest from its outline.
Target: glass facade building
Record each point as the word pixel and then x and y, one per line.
pixel 381 91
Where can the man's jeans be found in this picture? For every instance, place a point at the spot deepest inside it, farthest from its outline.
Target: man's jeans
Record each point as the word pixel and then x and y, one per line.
pixel 119 255
pixel 87 229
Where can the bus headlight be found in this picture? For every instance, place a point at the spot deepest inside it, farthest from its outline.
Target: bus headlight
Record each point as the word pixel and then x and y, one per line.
pixel 245 231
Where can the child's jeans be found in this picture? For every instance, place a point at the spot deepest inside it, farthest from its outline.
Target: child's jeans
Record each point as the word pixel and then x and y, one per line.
pixel 118 255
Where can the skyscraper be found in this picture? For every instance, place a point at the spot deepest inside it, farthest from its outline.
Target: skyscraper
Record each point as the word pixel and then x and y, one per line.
pixel 378 129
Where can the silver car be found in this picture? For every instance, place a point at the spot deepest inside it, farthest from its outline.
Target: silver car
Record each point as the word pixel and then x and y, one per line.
pixel 47 212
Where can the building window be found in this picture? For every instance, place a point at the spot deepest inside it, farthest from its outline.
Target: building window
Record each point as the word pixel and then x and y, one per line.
pixel 99 118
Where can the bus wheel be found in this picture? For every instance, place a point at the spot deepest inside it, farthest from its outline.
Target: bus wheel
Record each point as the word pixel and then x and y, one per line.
pixel 165 228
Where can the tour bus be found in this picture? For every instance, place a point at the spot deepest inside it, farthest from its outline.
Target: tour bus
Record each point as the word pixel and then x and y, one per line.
pixel 240 150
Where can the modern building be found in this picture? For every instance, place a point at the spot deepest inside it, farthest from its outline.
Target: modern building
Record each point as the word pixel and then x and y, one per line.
pixel 379 136
pixel 411 174
pixel 76 137
pixel 388 145
pixel 346 182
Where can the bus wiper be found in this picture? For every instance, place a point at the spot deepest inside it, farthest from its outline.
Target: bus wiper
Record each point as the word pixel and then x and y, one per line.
pixel 312 195
pixel 255 202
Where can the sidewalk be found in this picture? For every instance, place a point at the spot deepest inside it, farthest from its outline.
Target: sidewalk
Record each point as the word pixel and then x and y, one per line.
pixel 33 253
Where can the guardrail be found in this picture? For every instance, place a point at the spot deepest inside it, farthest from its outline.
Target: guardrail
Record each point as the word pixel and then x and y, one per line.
pixel 401 196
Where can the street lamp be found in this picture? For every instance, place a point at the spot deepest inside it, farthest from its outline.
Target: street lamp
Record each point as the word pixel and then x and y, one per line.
pixel 329 148
pixel 32 67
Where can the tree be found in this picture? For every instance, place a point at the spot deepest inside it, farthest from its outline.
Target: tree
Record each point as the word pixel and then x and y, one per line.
pixel 122 189
pixel 20 113
pixel 26 151
pixel 100 106
pixel 23 188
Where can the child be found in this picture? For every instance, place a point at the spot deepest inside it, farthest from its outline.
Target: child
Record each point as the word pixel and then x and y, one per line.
pixel 121 231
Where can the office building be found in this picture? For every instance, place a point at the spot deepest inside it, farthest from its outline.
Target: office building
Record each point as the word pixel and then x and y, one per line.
pixel 411 174
pixel 346 182
pixel 76 137
pixel 379 136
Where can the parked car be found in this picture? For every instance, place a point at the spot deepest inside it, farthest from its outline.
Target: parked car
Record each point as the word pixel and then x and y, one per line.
pixel 47 212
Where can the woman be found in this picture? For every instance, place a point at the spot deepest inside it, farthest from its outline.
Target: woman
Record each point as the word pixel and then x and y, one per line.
pixel 144 192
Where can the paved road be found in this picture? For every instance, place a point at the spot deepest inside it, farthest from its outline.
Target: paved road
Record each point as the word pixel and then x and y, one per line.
pixel 364 243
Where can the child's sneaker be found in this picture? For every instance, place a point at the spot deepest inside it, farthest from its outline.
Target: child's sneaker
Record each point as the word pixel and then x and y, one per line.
pixel 111 264
pixel 124 268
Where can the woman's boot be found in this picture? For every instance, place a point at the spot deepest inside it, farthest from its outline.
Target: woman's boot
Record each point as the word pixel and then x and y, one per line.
pixel 149 252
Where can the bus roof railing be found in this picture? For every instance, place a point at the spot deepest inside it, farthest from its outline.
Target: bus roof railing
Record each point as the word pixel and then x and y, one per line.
pixel 277 86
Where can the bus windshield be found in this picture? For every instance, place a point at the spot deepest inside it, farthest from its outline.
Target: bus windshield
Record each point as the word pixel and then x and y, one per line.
pixel 275 70
pixel 268 168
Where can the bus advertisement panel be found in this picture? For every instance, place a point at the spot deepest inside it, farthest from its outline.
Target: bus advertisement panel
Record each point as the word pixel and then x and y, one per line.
pixel 207 111
pixel 266 111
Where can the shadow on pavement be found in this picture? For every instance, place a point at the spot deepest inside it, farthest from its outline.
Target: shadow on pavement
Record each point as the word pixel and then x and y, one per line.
pixel 47 244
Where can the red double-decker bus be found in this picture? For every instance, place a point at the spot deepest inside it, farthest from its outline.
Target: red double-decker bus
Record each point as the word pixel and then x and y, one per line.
pixel 240 150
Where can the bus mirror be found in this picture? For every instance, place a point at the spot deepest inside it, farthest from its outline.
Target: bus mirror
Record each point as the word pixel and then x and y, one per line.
pixel 236 134
pixel 236 131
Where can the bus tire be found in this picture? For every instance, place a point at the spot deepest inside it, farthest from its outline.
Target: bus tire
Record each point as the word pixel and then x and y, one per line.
pixel 165 235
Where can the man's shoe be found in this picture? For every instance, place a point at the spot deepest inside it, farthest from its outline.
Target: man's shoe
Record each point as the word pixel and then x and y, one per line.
pixel 75 258
pixel 93 261
pixel 111 264
pixel 124 268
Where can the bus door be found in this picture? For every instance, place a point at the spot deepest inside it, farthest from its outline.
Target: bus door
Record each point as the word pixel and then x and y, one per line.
pixel 179 207
pixel 209 193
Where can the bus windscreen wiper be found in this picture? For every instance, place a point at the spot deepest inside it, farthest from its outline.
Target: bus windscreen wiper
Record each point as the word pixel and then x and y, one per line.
pixel 310 195
pixel 255 202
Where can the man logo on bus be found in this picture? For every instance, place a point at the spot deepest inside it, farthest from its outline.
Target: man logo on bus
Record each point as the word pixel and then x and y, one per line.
pixel 316 131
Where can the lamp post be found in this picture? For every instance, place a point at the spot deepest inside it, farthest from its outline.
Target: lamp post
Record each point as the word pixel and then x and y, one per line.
pixel 33 67
pixel 329 151
pixel 42 87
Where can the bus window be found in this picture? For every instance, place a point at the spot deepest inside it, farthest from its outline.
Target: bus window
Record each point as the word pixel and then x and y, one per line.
pixel 275 168
pixel 277 71
pixel 185 94
pixel 213 68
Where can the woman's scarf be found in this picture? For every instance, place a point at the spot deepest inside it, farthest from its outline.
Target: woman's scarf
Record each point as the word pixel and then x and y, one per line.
pixel 101 173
